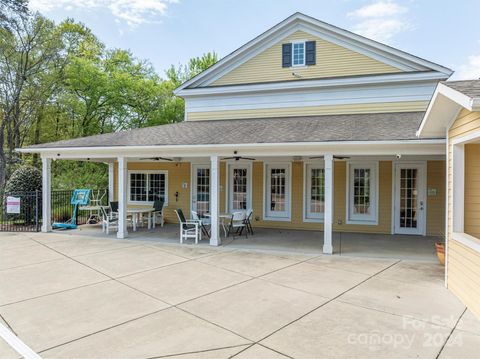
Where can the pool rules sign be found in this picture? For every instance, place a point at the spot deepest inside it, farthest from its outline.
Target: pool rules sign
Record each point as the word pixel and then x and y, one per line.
pixel 13 204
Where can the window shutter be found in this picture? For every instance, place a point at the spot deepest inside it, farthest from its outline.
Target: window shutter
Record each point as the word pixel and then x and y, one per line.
pixel 286 55
pixel 310 55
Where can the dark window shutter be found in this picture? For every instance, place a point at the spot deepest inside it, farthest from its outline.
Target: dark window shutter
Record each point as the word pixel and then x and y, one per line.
pixel 310 55
pixel 286 55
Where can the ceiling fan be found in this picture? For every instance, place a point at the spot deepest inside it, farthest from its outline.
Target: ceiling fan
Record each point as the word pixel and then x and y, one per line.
pixel 157 159
pixel 237 158
pixel 336 157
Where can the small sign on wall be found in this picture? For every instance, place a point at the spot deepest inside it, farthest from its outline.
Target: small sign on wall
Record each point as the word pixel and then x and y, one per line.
pixel 13 204
pixel 432 192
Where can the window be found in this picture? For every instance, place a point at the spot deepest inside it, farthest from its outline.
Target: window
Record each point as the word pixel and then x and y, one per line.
pixel 239 191
pixel 201 201
pixel 147 186
pixel 239 187
pixel 315 192
pixel 298 53
pixel 362 193
pixel 277 191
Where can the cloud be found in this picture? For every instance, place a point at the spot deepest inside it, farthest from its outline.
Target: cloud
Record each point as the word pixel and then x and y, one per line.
pixel 132 12
pixel 381 20
pixel 469 70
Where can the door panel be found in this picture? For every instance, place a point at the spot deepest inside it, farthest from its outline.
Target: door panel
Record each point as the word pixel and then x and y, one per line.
pixel 239 187
pixel 410 198
pixel 201 189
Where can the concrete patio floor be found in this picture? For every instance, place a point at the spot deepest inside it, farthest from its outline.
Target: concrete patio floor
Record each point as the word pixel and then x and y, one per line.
pixel 348 244
pixel 78 295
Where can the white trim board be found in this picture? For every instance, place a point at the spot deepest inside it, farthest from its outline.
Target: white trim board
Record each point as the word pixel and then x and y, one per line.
pixel 393 78
pixel 366 148
pixel 405 92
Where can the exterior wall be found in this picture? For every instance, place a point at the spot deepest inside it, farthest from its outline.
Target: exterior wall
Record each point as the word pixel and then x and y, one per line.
pixel 180 174
pixel 332 60
pixel 176 176
pixel 472 190
pixel 405 106
pixel 463 264
pixel 436 204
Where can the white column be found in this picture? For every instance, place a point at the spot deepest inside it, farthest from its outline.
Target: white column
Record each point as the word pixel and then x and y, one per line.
pixel 215 239
pixel 328 219
pixel 46 195
pixel 111 179
pixel 122 198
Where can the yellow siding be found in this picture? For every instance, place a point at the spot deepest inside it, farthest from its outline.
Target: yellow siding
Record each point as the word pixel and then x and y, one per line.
pixel 177 174
pixel 331 60
pixel 463 262
pixel 180 174
pixel 472 190
pixel 383 107
pixel 463 278
pixel 436 204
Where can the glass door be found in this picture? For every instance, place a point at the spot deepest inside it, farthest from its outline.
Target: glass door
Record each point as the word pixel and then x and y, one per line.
pixel 239 187
pixel 410 198
pixel 201 189
pixel 277 191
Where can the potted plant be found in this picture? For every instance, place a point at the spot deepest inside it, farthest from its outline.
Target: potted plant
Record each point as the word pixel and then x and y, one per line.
pixel 440 247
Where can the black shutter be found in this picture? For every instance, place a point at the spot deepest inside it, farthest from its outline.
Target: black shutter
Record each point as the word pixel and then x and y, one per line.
pixel 286 55
pixel 310 55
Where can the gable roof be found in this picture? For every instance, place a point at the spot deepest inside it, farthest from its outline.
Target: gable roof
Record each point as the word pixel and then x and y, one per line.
pixel 299 21
pixel 327 128
pixel 447 100
pixel 470 88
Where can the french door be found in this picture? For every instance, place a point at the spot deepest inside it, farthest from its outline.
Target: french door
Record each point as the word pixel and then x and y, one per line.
pixel 239 187
pixel 201 188
pixel 410 188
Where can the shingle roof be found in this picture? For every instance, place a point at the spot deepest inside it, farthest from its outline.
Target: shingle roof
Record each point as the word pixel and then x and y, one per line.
pixel 470 88
pixel 352 127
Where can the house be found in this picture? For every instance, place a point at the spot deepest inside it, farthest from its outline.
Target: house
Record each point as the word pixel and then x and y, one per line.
pixel 455 112
pixel 310 125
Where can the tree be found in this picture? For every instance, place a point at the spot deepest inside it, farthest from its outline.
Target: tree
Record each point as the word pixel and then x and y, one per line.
pixel 11 11
pixel 28 52
pixel 175 109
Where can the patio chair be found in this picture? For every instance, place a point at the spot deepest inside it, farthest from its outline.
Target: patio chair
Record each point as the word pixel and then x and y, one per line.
pixel 188 228
pixel 114 207
pixel 248 223
pixel 158 212
pixel 109 220
pixel 204 222
pixel 238 224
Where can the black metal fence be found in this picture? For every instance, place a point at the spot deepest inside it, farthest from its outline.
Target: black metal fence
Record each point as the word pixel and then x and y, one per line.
pixel 22 211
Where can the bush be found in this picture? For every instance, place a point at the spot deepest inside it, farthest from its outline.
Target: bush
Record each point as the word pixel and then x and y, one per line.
pixel 25 179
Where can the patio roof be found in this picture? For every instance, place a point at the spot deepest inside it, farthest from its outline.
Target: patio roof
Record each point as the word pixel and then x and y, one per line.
pixel 327 128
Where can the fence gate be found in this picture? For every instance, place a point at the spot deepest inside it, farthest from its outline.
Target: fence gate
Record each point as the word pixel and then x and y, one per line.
pixel 20 211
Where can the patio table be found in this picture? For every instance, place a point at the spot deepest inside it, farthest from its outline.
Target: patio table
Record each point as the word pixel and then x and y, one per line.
pixel 222 217
pixel 137 212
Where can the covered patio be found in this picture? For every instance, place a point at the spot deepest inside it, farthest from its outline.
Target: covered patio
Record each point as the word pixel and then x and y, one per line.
pixel 366 245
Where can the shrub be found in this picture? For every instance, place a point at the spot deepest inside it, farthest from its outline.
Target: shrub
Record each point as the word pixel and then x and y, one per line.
pixel 25 179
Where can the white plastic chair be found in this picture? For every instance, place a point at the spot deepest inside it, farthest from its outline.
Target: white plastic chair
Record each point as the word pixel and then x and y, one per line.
pixel 238 224
pixel 204 222
pixel 188 228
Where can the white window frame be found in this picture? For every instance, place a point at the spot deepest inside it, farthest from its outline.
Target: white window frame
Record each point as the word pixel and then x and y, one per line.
pixel 287 215
pixel 307 188
pixel 372 218
pixel 304 53
pixel 457 222
pixel 147 172
pixel 229 182
pixel 193 182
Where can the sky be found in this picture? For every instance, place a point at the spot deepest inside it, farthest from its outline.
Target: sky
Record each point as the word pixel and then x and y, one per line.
pixel 167 32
